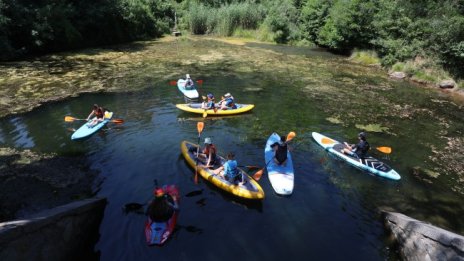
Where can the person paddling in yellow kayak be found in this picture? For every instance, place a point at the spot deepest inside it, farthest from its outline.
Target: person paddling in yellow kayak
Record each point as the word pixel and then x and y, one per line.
pixel 227 102
pixel 229 170
pixel 357 150
pixel 208 105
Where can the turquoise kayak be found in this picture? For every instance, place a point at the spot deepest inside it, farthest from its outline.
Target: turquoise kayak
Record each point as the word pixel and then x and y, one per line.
pixel 280 176
pixel 85 130
pixel 369 163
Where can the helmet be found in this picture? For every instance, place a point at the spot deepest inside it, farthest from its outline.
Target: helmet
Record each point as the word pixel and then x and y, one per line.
pixel 208 141
pixel 362 135
pixel 158 192
pixel 210 96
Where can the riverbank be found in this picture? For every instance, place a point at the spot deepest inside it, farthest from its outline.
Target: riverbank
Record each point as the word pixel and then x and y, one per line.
pixel 31 182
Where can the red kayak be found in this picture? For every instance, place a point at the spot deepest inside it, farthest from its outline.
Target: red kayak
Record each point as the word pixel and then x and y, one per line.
pixel 157 233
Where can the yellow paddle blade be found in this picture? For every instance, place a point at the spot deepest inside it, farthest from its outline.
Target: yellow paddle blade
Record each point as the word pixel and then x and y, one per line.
pixel 205 114
pixel 327 141
pixel 386 150
pixel 69 118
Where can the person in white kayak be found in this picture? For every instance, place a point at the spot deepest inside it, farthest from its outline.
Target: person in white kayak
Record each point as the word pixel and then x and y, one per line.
pixel 99 113
pixel 358 150
pixel 280 151
pixel 188 82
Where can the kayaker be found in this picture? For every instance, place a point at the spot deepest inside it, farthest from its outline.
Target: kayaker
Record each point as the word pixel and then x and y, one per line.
pixel 280 151
pixel 229 170
pixel 228 102
pixel 209 153
pixel 162 207
pixel 207 105
pixel 188 82
pixel 358 150
pixel 99 114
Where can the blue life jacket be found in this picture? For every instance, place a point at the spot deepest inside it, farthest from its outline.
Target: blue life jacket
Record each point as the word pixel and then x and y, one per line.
pixel 230 169
pixel 230 103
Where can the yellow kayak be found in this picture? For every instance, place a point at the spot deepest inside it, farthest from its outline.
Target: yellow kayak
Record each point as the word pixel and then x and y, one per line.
pixel 196 108
pixel 249 190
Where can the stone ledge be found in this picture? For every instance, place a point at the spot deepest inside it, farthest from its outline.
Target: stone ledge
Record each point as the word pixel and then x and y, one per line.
pixel 421 241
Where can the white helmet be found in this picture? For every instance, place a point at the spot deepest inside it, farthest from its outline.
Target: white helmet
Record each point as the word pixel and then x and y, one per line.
pixel 187 76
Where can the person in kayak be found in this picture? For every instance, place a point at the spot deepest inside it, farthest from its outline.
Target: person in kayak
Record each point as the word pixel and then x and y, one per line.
pixel 280 151
pixel 188 82
pixel 162 207
pixel 210 103
pixel 228 102
pixel 209 153
pixel 229 170
pixel 358 150
pixel 99 113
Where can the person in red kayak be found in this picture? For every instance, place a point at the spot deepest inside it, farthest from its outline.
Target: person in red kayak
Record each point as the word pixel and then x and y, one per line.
pixel 162 207
pixel 99 115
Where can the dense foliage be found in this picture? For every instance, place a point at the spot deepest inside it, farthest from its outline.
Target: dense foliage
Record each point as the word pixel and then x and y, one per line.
pixel 32 26
pixel 397 30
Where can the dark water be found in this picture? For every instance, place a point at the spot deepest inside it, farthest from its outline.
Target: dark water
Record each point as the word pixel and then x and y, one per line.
pixel 332 214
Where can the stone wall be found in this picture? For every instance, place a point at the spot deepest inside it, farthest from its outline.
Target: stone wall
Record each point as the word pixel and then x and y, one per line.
pixel 421 241
pixel 67 232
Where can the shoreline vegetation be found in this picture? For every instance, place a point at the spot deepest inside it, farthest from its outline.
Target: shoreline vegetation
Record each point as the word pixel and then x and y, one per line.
pixel 397 36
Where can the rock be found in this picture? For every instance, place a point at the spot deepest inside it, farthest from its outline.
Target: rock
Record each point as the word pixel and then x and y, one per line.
pixel 421 241
pixel 398 75
pixel 447 84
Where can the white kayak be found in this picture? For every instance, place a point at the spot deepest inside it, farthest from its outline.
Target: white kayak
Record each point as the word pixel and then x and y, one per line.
pixel 189 92
pixel 280 176
pixel 86 130
pixel 369 163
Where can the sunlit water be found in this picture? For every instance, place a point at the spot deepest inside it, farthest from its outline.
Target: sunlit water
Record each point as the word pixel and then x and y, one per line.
pixel 332 214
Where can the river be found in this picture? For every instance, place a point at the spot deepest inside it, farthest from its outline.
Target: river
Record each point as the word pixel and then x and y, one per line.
pixel 333 212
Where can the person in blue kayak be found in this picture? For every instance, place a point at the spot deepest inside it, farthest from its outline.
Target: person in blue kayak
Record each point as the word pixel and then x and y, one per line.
pixel 208 105
pixel 209 153
pixel 358 150
pixel 99 113
pixel 280 151
pixel 162 207
pixel 188 82
pixel 228 102
pixel 229 170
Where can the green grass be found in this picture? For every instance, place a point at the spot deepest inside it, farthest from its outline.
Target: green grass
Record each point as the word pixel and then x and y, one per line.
pixel 365 57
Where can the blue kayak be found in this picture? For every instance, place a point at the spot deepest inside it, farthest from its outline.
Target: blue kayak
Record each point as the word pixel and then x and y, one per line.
pixel 280 176
pixel 369 163
pixel 86 130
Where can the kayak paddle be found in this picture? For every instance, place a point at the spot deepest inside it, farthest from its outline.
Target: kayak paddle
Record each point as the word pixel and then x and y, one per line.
pixel 71 119
pixel 200 126
pixel 386 150
pixel 173 83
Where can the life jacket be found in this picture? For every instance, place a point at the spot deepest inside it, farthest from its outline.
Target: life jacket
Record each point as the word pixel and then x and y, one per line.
pixel 230 103
pixel 362 148
pixel 161 209
pixel 231 170
pixel 281 153
pixel 206 151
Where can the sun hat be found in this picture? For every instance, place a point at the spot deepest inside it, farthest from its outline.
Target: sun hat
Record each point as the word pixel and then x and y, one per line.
pixel 227 95
pixel 208 141
pixel 187 76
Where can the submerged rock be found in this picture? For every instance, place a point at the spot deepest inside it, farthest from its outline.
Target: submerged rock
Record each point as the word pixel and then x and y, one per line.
pixel 447 84
pixel 397 75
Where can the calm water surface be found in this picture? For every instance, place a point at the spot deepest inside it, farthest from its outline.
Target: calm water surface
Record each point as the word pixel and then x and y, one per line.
pixel 332 214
